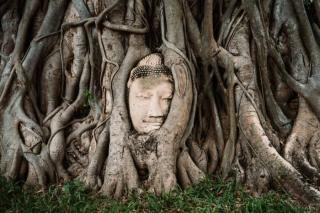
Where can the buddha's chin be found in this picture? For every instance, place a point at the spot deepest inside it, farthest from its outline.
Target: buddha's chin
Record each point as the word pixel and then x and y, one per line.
pixel 150 127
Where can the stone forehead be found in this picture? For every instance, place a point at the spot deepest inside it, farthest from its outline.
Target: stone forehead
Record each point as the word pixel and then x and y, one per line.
pixel 151 82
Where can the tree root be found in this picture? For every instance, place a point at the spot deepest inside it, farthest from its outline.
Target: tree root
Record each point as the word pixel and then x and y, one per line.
pixel 92 179
pixel 57 139
pixel 188 172
pixel 296 146
pixel 25 137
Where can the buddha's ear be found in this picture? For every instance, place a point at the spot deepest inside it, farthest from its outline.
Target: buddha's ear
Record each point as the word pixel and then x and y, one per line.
pixel 129 83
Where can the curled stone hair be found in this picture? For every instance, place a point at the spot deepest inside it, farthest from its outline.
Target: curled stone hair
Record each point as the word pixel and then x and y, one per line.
pixel 150 66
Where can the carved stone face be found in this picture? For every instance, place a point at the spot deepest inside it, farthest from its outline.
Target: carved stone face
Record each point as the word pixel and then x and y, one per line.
pixel 149 102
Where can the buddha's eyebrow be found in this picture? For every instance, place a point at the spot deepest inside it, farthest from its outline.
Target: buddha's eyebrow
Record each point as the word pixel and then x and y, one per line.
pixel 144 93
pixel 168 95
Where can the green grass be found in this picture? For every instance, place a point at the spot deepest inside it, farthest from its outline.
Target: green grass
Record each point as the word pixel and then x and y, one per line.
pixel 208 196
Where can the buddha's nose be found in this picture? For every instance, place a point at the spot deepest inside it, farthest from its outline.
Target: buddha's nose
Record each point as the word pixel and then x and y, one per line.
pixel 155 108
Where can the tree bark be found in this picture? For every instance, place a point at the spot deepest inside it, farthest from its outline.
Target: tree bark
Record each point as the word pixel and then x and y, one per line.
pixel 245 102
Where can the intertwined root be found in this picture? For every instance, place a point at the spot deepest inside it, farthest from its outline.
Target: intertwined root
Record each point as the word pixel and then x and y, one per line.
pixel 27 155
pixel 63 107
pixel 304 134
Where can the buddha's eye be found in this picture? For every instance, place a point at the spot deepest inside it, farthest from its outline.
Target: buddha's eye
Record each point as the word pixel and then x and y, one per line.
pixel 144 97
pixel 168 99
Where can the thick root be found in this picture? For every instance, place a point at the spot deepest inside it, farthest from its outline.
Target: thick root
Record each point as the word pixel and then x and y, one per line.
pixel 121 176
pixel 296 148
pixel 188 172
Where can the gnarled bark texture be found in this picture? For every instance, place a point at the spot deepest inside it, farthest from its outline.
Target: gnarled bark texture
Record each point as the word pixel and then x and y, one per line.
pixel 246 100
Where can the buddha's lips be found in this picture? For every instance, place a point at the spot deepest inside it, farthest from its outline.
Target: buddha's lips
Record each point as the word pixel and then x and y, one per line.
pixel 153 120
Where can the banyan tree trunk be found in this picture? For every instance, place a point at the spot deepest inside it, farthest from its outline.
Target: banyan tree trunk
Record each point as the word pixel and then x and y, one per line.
pixel 245 103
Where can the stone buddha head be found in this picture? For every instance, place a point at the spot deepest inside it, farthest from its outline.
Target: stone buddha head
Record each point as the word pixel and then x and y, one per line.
pixel 150 89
